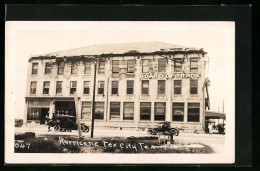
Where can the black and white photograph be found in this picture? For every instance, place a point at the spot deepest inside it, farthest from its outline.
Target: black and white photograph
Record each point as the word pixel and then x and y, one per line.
pixel 102 92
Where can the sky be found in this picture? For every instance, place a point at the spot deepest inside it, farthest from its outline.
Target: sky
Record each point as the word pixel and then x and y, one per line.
pixel 24 39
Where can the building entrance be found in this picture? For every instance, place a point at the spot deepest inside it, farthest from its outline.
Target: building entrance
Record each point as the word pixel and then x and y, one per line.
pixel 65 108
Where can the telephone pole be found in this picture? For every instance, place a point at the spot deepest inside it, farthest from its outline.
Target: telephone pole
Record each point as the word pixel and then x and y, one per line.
pixel 93 100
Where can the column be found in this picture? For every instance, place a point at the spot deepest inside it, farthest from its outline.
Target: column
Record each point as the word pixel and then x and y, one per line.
pixel 185 111
pixel 52 109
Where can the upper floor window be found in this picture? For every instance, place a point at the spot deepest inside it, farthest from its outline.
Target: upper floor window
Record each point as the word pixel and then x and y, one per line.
pixel 74 68
pixel 115 66
pixel 34 68
pixel 87 69
pixel 101 86
pixel 33 87
pixel 131 65
pixel 162 64
pixel 177 86
pixel 101 67
pixel 47 68
pixel 130 87
pixel 46 87
pixel 193 86
pixel 73 87
pixel 61 68
pixel 59 87
pixel 145 86
pixel 114 87
pixel 161 86
pixel 145 66
pixel 86 87
pixel 177 65
pixel 193 64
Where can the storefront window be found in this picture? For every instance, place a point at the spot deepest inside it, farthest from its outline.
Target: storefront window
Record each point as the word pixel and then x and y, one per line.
pixel 193 112
pixel 162 65
pixel 87 68
pixel 101 85
pixel 177 86
pixel 145 67
pixel 159 111
pixel 161 86
pixel 115 66
pixel 193 64
pixel 177 65
pixel 114 87
pixel 178 112
pixel 59 87
pixel 131 66
pixel 61 68
pixel 86 110
pixel 130 87
pixel 33 87
pixel 145 86
pixel 47 68
pixel 99 110
pixel 128 110
pixel 46 87
pixel 73 87
pixel 74 68
pixel 86 87
pixel 34 68
pixel 193 86
pixel 34 114
pixel 114 110
pixel 145 111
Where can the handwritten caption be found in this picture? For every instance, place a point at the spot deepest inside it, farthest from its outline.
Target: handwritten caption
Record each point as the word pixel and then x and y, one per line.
pixel 22 145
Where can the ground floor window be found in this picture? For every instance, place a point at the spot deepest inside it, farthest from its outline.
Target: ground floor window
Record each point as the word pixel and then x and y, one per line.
pixel 128 110
pixel 114 110
pixel 193 112
pixel 145 111
pixel 178 112
pixel 99 110
pixel 37 114
pixel 159 111
pixel 86 110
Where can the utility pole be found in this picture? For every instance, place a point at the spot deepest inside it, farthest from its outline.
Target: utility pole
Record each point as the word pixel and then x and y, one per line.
pixel 77 114
pixel 93 101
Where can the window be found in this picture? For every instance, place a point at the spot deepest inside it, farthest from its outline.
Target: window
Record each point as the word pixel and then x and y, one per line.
pixel 87 69
pixel 115 66
pixel 33 87
pixel 114 110
pixel 130 87
pixel 46 87
pixel 145 86
pixel 193 112
pixel 59 87
pixel 34 114
pixel 159 111
pixel 161 86
pixel 47 68
pixel 145 67
pixel 101 68
pixel 74 68
pixel 193 86
pixel 177 86
pixel 162 64
pixel 73 87
pixel 101 85
pixel 145 111
pixel 86 87
pixel 61 68
pixel 99 110
pixel 177 65
pixel 128 110
pixel 34 68
pixel 114 87
pixel 177 111
pixel 193 64
pixel 86 110
pixel 131 66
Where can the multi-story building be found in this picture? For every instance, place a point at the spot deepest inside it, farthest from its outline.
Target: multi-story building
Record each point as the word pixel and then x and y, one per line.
pixel 137 85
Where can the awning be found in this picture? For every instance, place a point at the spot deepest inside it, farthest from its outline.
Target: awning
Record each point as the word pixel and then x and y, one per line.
pixel 214 115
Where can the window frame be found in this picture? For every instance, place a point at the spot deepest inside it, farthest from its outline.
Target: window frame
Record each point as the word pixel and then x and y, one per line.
pixel 115 66
pixel 155 112
pixel 58 87
pixel 143 89
pixel 193 115
pixel 142 107
pixel 59 67
pixel 177 87
pixel 197 66
pixel 48 68
pixel 100 88
pixel 101 70
pixel 71 88
pixel 46 88
pixel 178 108
pixel 74 67
pixel 143 66
pixel 124 107
pixel 87 104
pixel 158 90
pixel 177 60
pixel 118 104
pixel 87 63
pixel 114 88
pixel 35 71
pixel 161 66
pixel 130 88
pixel 130 65
pixel 97 104
pixel 86 88
pixel 34 89
pixel 192 88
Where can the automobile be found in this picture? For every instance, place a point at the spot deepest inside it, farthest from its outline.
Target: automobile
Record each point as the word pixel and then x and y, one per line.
pixel 64 123
pixel 164 128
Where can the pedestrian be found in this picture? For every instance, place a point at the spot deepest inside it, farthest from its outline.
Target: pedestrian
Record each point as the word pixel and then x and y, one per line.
pixel 210 128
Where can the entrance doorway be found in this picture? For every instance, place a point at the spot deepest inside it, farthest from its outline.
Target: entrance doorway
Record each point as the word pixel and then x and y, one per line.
pixel 65 108
pixel 44 113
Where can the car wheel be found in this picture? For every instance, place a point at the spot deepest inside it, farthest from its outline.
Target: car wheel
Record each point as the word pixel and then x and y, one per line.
pixel 174 132
pixel 57 128
pixel 82 128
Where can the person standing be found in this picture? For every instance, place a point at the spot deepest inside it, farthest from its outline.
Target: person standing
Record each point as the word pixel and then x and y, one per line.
pixel 210 128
